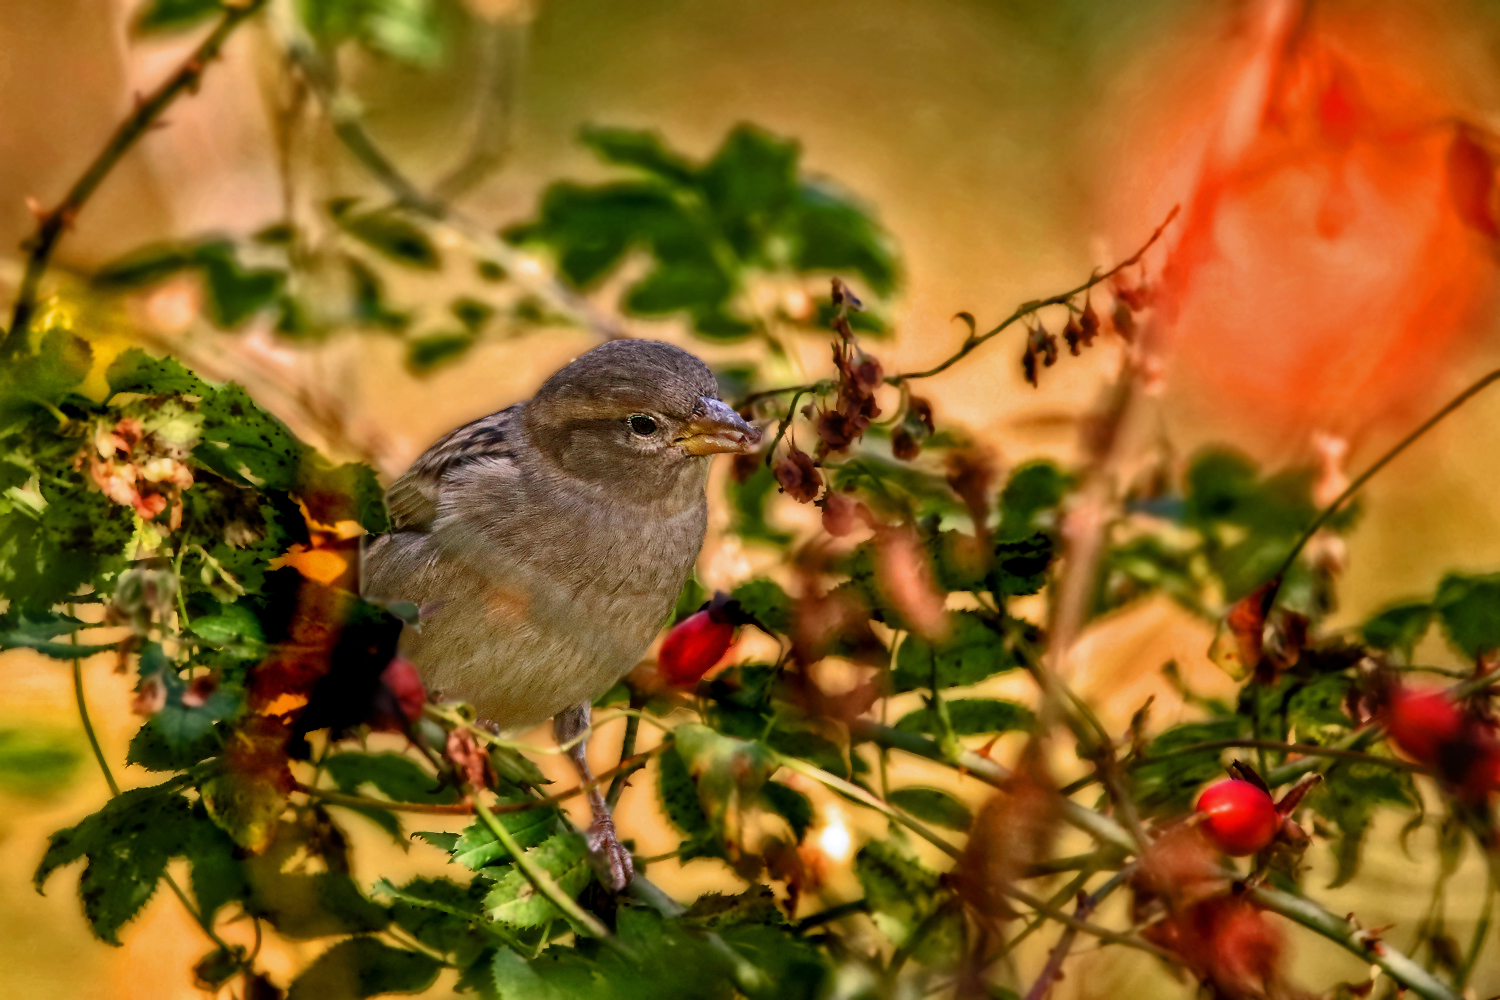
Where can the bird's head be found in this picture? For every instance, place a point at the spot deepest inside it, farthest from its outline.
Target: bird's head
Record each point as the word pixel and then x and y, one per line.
pixel 636 415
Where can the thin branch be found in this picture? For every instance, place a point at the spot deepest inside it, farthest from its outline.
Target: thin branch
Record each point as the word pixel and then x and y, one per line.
pixel 1087 903
pixel 1304 749
pixel 1102 933
pixel 53 223
pixel 1096 825
pixel 1364 944
pixel 630 764
pixel 349 127
pixel 855 793
pixel 627 750
pixel 1364 477
pixel 974 341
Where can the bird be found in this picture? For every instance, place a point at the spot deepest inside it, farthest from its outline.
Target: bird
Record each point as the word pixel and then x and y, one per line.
pixel 545 545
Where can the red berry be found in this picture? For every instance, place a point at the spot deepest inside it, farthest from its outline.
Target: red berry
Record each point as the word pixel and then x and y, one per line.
pixel 693 646
pixel 1239 817
pixel 401 679
pixel 1421 722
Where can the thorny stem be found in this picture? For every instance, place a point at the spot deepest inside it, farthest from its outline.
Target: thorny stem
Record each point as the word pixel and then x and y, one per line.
pixel 1102 933
pixel 1087 903
pixel 1364 944
pixel 538 877
pixel 52 224
pixel 1364 477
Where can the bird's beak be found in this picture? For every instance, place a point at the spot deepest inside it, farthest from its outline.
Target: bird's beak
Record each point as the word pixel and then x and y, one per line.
pixel 717 428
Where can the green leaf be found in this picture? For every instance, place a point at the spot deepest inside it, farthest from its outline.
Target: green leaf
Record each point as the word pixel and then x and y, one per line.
pixel 900 892
pixel 127 845
pixel 443 915
pixel 639 149
pixel 934 806
pixel 144 268
pixel 233 293
pixel 37 630
pixel 1348 797
pixel 1168 786
pixel 477 847
pixel 817 750
pixel 513 978
pixel 970 716
pixel 972 652
pixel 425 354
pixel 149 749
pixel 830 232
pixel 747 502
pixel 364 967
pixel 369 307
pixel 37 762
pixel 246 445
pixel 749 183
pixel 515 901
pixel 393 235
pixel 399 778
pixel 136 371
pixel 218 878
pixel 182 722
pixel 233 624
pixel 1020 567
pixel 767 603
pixel 471 312
pixel 1469 607
pixel 308 906
pixel 716 911
pixel 679 799
pixel 175 15
pixel 1034 489
pixel 791 805
pixel 1400 627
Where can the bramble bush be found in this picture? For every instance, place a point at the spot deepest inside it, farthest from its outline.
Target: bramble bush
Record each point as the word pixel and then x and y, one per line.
pixel 170 522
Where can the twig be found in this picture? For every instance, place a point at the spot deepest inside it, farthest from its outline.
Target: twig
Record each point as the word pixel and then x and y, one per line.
pixel 973 341
pixel 630 764
pixel 350 130
pixel 864 798
pixel 1087 903
pixel 1102 933
pixel 53 223
pixel 836 912
pixel 1305 749
pixel 1362 943
pixel 627 749
pixel 1096 825
pixel 539 877
pixel 1364 477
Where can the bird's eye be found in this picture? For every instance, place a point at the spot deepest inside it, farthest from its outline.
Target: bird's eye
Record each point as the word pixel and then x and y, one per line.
pixel 642 425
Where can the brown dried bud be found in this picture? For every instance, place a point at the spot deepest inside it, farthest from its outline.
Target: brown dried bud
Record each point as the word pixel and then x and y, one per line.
pixel 904 446
pixel 150 697
pixel 798 476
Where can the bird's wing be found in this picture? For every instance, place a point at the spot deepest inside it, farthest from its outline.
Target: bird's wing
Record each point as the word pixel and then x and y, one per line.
pixel 413 498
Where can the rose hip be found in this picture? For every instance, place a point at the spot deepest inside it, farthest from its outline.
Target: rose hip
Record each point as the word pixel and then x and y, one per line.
pixel 1422 722
pixel 1239 817
pixel 693 646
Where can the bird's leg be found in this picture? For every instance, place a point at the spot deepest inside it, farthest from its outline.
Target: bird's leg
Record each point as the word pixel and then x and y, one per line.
pixel 569 727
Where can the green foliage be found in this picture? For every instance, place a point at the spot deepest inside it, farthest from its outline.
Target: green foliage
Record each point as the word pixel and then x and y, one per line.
pixel 970 717
pixel 364 967
pixel 37 762
pixel 974 650
pixel 404 30
pixel 709 228
pixel 1349 797
pixel 1168 784
pixel 1469 608
pixel 933 805
pixel 175 15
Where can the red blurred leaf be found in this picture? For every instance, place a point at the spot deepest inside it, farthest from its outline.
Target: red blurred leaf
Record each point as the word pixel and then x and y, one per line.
pixel 1471 182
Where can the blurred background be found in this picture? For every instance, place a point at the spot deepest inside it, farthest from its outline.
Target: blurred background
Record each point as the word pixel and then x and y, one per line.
pixel 1339 288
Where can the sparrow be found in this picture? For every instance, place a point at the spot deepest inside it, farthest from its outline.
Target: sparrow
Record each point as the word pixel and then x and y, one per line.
pixel 545 545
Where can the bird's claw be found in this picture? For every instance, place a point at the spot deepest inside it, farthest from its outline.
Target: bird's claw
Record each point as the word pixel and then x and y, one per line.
pixel 609 856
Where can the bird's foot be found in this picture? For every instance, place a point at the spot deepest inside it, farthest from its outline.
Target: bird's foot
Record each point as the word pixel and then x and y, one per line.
pixel 610 857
